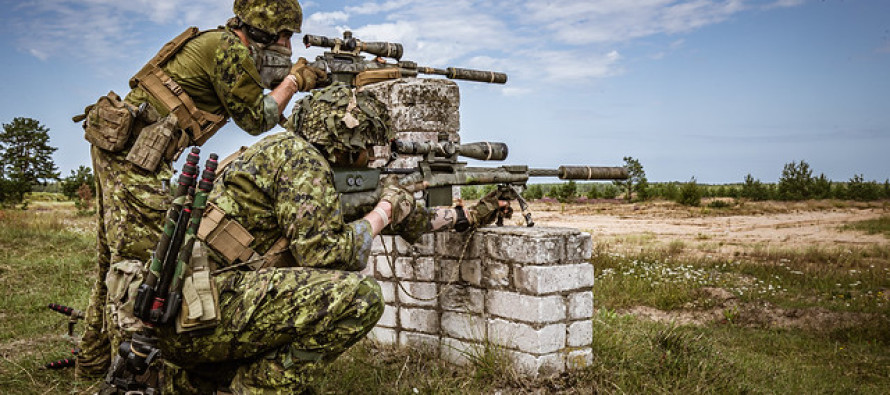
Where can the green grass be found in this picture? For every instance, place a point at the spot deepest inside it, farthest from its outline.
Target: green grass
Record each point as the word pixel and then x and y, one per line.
pixel 46 255
pixel 879 225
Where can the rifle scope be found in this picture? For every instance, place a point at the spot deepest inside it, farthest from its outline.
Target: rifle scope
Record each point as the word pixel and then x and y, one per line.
pixel 482 150
pixel 582 173
pixel 351 44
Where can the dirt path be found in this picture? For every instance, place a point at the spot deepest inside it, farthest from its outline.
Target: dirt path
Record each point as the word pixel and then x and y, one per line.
pixel 730 232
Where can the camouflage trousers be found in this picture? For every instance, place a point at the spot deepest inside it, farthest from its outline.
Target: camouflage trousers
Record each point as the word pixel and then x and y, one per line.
pixel 277 328
pixel 130 209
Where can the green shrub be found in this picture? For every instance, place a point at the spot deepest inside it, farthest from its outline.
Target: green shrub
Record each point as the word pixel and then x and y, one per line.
pixel 690 194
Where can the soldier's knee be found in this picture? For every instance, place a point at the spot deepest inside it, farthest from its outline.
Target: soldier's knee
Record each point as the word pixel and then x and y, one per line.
pixel 369 297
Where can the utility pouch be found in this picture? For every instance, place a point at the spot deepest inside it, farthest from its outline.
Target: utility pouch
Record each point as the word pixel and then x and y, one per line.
pixel 200 297
pixel 225 236
pixel 108 122
pixel 153 143
pixel 123 280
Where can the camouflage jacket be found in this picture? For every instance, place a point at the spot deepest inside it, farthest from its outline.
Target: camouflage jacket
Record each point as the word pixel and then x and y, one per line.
pixel 218 73
pixel 283 187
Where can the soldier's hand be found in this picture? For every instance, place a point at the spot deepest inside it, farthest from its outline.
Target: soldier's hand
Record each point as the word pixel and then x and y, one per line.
pixel 402 202
pixel 493 205
pixel 306 76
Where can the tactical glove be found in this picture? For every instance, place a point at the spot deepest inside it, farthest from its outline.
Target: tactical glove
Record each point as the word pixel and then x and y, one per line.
pixel 488 209
pixel 401 200
pixel 306 76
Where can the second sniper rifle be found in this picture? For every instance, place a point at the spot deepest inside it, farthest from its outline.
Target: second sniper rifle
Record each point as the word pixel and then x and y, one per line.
pixel 345 63
pixel 439 169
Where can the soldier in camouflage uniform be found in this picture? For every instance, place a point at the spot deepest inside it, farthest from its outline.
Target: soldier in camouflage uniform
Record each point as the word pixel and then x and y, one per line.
pixel 217 70
pixel 280 324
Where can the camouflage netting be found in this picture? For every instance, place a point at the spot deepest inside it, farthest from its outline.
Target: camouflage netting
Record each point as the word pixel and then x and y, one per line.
pixel 338 118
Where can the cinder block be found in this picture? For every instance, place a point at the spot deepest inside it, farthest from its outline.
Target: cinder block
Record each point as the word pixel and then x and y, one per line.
pixel 535 366
pixel 419 340
pixel 449 270
pixel 386 244
pixel 464 326
pixel 535 247
pixel 541 280
pixel 388 318
pixel 471 272
pixel 389 291
pixel 525 338
pixel 368 270
pixel 426 292
pixel 426 246
pixel 384 270
pixel 526 308
pixel 425 269
pixel 580 334
pixel 459 352
pixel 581 358
pixel 384 335
pixel 404 268
pixel 581 305
pixel 420 320
pixel 579 248
pixel 496 274
pixel 457 245
pixel 462 298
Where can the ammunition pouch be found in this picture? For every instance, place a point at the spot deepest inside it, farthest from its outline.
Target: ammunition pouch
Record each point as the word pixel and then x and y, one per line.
pixel 107 124
pixel 200 297
pixel 231 241
pixel 154 143
pixel 123 280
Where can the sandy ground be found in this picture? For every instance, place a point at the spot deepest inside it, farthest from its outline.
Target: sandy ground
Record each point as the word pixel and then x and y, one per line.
pixel 664 223
pixel 775 226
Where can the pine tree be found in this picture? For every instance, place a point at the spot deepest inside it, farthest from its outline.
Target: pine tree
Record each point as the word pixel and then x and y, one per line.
pixel 25 158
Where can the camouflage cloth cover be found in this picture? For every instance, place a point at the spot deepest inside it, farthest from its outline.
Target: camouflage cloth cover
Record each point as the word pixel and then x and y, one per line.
pixel 340 118
pixel 272 16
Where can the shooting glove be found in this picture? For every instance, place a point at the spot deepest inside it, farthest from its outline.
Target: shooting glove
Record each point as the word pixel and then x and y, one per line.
pixel 306 76
pixel 488 209
pixel 402 202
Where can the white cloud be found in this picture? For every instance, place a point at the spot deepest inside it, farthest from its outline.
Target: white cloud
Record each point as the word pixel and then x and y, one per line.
pixel 618 20
pixel 783 4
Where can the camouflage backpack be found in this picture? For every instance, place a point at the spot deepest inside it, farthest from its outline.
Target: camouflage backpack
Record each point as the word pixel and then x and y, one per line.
pixel 340 118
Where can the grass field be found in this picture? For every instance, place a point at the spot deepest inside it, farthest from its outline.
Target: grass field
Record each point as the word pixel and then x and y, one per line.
pixel 805 320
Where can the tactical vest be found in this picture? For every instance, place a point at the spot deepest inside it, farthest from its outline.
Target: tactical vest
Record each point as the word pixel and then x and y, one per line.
pixel 198 125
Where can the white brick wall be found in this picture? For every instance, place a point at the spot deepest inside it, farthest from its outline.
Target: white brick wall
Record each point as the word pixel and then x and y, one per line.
pixel 581 305
pixel 464 326
pixel 421 320
pixel 538 309
pixel 580 334
pixel 524 337
pixel 541 280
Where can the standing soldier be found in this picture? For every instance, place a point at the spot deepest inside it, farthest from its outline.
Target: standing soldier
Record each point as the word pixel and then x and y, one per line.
pixel 180 98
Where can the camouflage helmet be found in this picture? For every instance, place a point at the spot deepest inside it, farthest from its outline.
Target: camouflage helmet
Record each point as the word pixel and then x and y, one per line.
pixel 273 16
pixel 338 118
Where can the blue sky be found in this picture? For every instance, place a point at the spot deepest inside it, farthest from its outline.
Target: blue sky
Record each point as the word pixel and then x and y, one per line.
pixel 706 88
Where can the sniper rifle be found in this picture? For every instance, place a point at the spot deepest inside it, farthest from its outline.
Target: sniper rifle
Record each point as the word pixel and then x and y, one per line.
pixel 345 63
pixel 439 170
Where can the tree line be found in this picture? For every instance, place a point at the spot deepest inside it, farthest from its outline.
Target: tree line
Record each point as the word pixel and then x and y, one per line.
pixel 797 182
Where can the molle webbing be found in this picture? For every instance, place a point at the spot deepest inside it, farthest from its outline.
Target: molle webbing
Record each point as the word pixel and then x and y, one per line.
pixel 199 124
pixel 232 242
